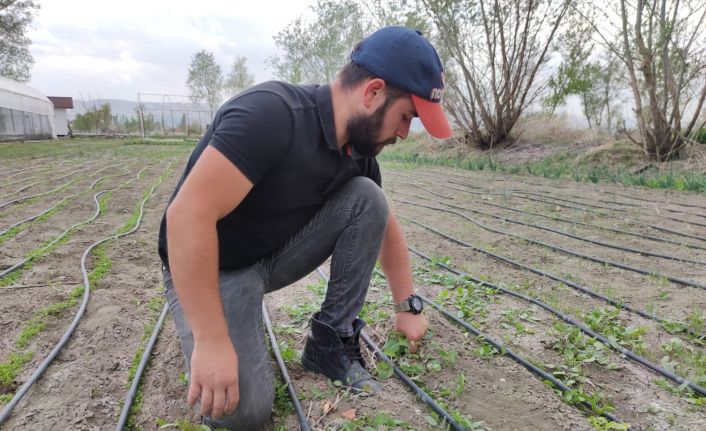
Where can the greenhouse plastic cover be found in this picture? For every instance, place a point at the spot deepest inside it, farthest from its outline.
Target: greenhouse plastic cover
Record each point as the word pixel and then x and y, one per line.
pixel 20 97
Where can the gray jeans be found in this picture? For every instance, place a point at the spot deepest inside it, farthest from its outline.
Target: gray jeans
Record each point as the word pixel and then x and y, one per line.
pixel 349 228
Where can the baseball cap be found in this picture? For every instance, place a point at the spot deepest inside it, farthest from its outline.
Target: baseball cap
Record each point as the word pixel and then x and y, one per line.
pixel 404 58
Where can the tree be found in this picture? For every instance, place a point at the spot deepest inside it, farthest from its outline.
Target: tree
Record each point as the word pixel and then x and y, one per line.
pixel 314 50
pixel 239 78
pixel 594 78
pixel 663 48
pixel 405 13
pixel 205 80
pixel 496 50
pixel 15 19
pixel 94 118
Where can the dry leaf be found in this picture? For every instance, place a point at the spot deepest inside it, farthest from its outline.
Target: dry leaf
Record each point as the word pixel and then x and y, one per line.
pixel 327 407
pixel 348 414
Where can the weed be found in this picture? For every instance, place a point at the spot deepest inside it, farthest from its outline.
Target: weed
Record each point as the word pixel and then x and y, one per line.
pixel 555 166
pixel 485 350
pixel 516 319
pixel 183 425
pixel 577 349
pixel 300 313
pixel 318 289
pixel 288 353
pixel 381 420
pixel 37 323
pixel 9 368
pixel 154 305
pixel 283 404
pixel 604 320
pixel 683 390
pixel 602 424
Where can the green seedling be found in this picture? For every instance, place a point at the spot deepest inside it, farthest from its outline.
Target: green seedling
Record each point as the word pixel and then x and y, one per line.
pixel 605 321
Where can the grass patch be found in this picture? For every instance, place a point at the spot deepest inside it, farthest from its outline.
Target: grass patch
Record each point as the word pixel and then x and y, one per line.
pixel 593 168
pixel 9 368
pixel 154 305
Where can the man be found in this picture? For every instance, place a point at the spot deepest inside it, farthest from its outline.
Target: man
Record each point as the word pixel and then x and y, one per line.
pixel 284 178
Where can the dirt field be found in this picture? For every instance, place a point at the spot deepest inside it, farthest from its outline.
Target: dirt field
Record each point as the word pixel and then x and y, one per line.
pixel 619 230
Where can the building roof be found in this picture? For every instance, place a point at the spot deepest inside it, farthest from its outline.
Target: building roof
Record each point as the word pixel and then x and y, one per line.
pixel 62 102
pixel 22 97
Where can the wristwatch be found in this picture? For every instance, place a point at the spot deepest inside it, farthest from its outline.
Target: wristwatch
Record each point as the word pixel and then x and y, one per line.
pixel 413 304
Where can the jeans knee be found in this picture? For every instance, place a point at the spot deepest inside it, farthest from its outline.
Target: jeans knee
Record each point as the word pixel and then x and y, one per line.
pixel 251 414
pixel 375 207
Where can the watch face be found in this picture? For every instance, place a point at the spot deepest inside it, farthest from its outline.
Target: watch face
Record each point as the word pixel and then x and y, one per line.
pixel 415 303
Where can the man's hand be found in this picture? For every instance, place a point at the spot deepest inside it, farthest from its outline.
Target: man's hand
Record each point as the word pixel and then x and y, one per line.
pixel 214 377
pixel 413 326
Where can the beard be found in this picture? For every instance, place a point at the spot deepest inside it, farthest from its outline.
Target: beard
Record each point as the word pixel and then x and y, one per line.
pixel 364 132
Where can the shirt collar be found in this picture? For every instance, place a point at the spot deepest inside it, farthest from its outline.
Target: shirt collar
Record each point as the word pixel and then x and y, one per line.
pixel 325 107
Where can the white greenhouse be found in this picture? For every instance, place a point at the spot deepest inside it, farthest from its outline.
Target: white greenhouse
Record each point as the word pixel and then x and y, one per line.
pixel 25 113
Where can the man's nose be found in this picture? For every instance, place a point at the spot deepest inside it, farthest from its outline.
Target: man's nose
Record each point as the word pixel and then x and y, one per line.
pixel 403 130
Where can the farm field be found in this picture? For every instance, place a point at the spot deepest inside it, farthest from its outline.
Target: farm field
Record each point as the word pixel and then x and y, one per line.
pixel 583 304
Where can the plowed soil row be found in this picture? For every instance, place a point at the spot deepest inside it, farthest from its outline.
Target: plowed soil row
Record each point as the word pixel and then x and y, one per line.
pixel 84 388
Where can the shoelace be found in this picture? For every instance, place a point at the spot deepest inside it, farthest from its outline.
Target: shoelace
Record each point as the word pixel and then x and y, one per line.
pixel 353 352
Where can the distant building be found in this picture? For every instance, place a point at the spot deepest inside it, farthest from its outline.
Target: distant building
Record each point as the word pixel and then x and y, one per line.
pixel 25 113
pixel 61 122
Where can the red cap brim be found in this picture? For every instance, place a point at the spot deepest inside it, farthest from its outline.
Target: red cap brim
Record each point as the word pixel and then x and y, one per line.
pixel 432 117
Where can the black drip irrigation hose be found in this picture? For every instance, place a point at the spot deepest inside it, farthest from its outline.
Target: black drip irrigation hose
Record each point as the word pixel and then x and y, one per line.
pixel 578 223
pixel 23 188
pixel 419 392
pixel 676 232
pixel 35 216
pixel 568 319
pixel 653 201
pixel 683 234
pixel 58 238
pixel 506 351
pixel 615 202
pixel 570 204
pixel 7 410
pixel 570 235
pixel 11 171
pixel 569 283
pixel 581 189
pixel 303 420
pixel 132 392
pixel 626 267
pixel 503 349
pixel 565 220
pixel 25 198
pixel 465 190
pixel 2 186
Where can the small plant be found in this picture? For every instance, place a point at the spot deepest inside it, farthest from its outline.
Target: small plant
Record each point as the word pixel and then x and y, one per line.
pixel 516 319
pixel 602 424
pixel 605 321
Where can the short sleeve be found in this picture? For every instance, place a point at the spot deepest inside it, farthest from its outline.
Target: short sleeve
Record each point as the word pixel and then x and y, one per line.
pixel 254 132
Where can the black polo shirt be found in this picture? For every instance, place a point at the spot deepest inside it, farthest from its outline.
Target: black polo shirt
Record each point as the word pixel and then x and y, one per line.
pixel 283 138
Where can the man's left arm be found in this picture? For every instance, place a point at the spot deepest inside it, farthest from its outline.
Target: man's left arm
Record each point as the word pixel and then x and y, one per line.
pixel 394 258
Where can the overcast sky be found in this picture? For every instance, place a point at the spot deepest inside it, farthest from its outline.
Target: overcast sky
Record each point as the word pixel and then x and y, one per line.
pixel 115 49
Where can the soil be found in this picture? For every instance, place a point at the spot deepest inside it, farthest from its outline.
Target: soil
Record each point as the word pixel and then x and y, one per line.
pixel 84 387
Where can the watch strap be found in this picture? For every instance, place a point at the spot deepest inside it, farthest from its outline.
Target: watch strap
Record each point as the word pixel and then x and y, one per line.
pixel 402 306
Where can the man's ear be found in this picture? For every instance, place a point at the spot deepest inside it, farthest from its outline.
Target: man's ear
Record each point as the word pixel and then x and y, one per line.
pixel 373 92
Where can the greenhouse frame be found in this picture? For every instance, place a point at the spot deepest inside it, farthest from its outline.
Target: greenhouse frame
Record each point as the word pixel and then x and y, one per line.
pixel 25 113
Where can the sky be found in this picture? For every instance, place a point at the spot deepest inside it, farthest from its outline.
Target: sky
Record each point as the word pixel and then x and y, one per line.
pixel 116 49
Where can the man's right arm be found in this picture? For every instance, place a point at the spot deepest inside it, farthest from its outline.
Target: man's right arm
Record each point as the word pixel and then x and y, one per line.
pixel 213 189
